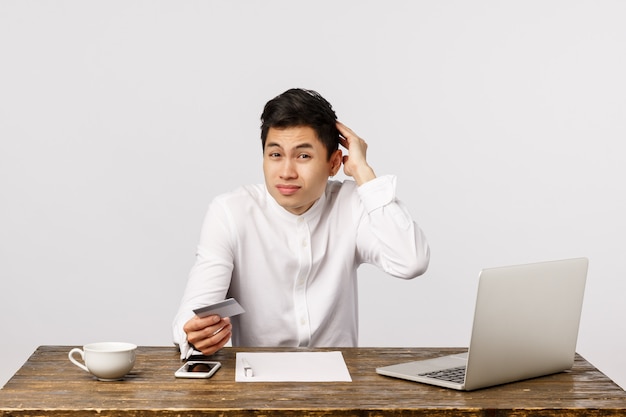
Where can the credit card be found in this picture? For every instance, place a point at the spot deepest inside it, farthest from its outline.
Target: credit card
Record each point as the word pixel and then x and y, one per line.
pixel 227 308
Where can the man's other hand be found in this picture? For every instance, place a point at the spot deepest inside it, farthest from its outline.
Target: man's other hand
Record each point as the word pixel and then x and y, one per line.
pixel 208 334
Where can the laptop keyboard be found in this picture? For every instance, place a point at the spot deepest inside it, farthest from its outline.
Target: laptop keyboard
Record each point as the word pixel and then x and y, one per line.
pixel 456 375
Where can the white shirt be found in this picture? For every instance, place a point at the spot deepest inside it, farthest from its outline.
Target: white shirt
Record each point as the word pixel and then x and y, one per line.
pixel 295 275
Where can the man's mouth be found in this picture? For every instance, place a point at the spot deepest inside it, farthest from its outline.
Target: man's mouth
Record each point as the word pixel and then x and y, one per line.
pixel 285 189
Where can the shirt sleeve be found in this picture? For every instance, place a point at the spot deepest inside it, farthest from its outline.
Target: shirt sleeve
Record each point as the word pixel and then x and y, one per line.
pixel 387 235
pixel 211 273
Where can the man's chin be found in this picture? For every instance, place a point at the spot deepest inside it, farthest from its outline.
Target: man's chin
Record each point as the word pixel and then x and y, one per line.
pixel 293 207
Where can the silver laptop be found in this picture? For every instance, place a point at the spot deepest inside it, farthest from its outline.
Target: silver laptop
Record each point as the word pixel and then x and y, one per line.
pixel 525 325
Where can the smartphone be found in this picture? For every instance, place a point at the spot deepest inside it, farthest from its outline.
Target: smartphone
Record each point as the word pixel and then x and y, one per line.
pixel 198 369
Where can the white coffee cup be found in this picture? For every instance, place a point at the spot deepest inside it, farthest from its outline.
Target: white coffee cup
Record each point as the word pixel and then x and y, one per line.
pixel 107 361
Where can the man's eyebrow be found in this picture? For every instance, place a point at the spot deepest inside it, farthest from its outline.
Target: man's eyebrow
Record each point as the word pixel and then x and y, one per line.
pixel 305 145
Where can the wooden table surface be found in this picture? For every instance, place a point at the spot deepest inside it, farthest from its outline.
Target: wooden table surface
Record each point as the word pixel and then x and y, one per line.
pixel 48 384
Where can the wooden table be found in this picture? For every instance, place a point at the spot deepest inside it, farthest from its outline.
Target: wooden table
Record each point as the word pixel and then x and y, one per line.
pixel 48 384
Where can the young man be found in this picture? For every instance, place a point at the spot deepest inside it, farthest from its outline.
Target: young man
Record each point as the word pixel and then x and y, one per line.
pixel 289 250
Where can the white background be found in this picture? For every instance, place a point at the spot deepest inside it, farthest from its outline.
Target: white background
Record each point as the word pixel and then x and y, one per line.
pixel 121 120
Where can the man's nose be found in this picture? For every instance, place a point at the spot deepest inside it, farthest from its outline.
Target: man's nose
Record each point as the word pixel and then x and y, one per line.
pixel 288 169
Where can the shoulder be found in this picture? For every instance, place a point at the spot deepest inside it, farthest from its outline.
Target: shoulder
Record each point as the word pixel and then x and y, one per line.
pixel 369 196
pixel 341 188
pixel 251 192
pixel 342 194
pixel 242 198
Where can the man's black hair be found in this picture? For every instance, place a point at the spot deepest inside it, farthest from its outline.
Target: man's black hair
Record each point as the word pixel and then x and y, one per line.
pixel 300 107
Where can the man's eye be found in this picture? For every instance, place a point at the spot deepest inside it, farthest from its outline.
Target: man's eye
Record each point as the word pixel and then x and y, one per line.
pixel 304 156
pixel 273 155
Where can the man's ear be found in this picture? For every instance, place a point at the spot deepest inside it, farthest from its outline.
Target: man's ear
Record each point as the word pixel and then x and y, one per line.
pixel 335 162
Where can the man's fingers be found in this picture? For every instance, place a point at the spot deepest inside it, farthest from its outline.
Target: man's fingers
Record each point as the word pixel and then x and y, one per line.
pixel 208 334
pixel 198 323
pixel 212 338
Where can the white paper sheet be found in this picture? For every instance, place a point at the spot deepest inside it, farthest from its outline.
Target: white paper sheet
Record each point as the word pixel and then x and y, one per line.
pixel 292 366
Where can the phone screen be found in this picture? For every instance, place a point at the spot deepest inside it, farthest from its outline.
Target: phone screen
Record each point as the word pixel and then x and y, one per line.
pixel 197 369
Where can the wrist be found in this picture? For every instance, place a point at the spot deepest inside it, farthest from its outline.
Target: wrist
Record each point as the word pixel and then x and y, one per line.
pixel 363 175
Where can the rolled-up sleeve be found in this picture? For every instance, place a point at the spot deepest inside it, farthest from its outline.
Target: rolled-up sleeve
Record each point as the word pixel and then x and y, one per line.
pixel 388 236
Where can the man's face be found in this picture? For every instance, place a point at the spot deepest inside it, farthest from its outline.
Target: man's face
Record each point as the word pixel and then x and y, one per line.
pixel 296 167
